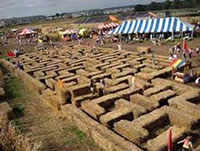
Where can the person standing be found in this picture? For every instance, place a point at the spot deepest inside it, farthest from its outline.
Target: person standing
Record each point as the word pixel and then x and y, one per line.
pixel 187 144
pixel 133 82
pixel 197 51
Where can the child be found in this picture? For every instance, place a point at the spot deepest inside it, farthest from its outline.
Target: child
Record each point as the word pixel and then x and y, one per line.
pixel 187 144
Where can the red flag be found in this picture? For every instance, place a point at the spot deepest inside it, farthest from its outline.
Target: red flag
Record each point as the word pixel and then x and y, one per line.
pixel 185 47
pixel 10 54
pixel 170 144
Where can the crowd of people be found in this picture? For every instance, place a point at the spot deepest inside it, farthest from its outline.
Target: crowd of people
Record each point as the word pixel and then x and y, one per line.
pixel 176 50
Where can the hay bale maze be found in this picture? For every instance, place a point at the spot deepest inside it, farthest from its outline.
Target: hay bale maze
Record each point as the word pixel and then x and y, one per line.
pixel 119 116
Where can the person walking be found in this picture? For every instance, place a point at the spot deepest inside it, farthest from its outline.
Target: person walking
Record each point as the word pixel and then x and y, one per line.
pixel 187 144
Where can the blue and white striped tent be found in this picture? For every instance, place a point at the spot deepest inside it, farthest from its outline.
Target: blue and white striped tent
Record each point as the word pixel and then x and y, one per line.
pixel 155 25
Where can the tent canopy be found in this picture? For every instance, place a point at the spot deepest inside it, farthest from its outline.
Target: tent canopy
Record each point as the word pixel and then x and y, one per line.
pixel 82 31
pixel 156 25
pixel 69 32
pixel 27 31
pixel 107 26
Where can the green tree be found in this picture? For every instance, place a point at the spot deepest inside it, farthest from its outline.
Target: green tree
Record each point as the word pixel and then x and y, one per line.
pixel 140 7
pixel 167 4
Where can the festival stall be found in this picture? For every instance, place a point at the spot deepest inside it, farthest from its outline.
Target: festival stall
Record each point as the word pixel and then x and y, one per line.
pixel 153 25
pixel 179 68
pixel 27 33
pixel 68 35
pixel 83 32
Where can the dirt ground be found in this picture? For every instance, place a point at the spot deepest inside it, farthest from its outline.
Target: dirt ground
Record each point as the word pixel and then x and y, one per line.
pixel 35 119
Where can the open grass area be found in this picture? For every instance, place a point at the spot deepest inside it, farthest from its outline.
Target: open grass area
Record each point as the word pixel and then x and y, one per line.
pixel 35 119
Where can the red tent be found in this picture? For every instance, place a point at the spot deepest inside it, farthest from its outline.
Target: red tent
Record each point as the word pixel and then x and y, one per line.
pixel 27 31
pixel 108 26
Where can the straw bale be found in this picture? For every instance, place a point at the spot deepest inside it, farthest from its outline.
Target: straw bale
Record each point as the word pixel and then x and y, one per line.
pixel 70 84
pixel 48 92
pixel 60 69
pixel 91 69
pixel 77 64
pixel 166 72
pixel 192 96
pixel 64 94
pixel 106 100
pixel 139 83
pixel 53 101
pixel 38 86
pixel 156 89
pixel 150 65
pixel 140 66
pixel 76 101
pixel 149 61
pixel 2 94
pixel 110 66
pixel 73 69
pixel 125 79
pixel 125 94
pixel 112 70
pixel 181 104
pixel 133 63
pixel 147 70
pixel 70 79
pixel 5 112
pixel 162 97
pixel 76 61
pixel 144 76
pixel 131 131
pixel 137 109
pixel 64 76
pixel 182 120
pixel 64 72
pixel 38 74
pixel 122 74
pixel 108 82
pixel 94 73
pixel 116 88
pixel 112 60
pixel 92 108
pixel 101 65
pixel 50 83
pixel 82 72
pixel 116 115
pixel 47 68
pixel 78 90
pixel 101 76
pixel 144 102
pixel 120 67
pixel 178 87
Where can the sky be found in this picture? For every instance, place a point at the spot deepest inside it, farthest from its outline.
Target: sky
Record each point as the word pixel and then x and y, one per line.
pixel 19 8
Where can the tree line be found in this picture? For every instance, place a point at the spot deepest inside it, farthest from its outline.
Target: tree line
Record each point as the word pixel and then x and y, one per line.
pixel 175 4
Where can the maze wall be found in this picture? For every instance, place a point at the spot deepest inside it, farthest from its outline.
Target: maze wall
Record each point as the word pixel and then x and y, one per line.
pixel 125 117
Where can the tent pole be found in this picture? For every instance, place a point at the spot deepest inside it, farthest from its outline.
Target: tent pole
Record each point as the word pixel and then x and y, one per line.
pixel 121 40
pixel 192 34
pixel 172 35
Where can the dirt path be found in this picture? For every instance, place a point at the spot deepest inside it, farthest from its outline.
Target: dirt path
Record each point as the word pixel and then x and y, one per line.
pixel 36 119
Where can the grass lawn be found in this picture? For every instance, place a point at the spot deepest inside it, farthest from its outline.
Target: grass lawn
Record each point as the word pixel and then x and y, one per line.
pixel 35 119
